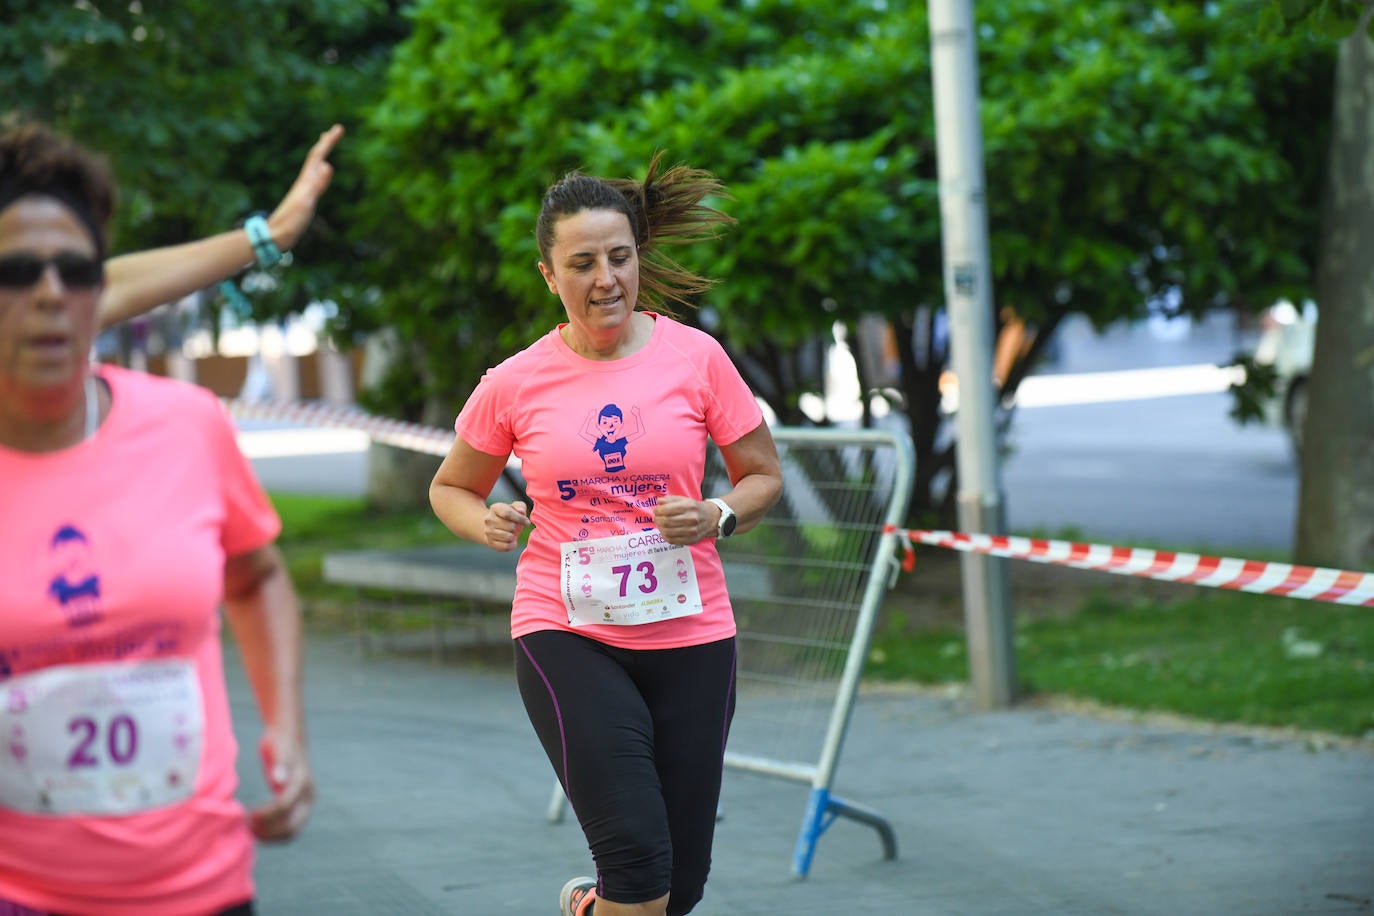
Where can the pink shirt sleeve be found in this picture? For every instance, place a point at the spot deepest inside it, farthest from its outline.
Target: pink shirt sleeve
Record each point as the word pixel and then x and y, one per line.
pixel 250 520
pixel 482 423
pixel 734 412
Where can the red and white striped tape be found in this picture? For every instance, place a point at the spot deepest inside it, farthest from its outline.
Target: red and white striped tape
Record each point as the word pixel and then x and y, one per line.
pixel 1314 583
pixel 413 436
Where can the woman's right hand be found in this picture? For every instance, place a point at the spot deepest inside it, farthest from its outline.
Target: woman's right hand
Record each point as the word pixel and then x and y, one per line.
pixel 503 523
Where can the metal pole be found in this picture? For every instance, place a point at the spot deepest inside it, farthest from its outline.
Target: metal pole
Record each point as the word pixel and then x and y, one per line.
pixel 968 291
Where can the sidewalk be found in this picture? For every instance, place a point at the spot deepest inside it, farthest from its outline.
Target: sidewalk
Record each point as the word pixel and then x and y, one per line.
pixel 433 793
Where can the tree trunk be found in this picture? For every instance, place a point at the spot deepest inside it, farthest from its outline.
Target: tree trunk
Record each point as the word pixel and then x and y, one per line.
pixel 397 478
pixel 1336 503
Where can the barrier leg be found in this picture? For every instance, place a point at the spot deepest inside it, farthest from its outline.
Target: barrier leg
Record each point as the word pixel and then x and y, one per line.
pixel 868 816
pixel 821 811
pixel 813 825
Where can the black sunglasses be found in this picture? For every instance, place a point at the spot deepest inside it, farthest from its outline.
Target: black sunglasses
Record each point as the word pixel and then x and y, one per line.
pixel 20 271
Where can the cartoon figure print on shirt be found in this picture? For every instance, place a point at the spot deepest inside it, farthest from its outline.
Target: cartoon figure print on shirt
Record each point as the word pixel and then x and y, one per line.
pixel 623 492
pixel 75 585
pixel 608 437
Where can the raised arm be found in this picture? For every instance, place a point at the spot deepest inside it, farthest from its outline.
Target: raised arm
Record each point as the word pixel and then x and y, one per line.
pixel 137 282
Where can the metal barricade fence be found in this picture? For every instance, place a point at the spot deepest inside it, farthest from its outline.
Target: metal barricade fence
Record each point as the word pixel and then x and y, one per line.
pixel 806 585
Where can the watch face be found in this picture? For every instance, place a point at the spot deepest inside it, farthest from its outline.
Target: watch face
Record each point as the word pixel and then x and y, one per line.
pixel 727 525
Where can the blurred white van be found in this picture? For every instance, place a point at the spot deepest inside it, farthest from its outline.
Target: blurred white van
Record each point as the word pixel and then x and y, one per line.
pixel 1287 338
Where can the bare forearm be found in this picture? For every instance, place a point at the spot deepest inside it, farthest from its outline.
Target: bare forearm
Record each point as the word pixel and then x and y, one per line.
pixel 143 280
pixel 462 511
pixel 752 461
pixel 751 498
pixel 266 624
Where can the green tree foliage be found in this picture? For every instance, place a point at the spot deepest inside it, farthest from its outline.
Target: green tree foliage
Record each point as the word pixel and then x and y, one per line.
pixel 1132 149
pixel 1333 19
pixel 204 108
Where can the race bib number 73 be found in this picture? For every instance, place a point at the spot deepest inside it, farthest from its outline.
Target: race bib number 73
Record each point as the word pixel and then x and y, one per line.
pixel 628 579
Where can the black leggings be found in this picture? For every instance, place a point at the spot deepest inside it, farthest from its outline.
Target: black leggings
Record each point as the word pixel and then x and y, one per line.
pixel 637 738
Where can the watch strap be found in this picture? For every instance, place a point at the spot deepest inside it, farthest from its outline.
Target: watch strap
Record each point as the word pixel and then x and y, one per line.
pixel 726 526
pixel 265 250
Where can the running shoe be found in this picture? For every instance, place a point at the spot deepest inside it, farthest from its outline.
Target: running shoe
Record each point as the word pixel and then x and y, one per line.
pixel 577 898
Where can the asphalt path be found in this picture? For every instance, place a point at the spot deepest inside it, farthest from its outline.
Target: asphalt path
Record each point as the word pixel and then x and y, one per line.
pixel 433 795
pixel 1171 470
pixel 1124 466
pixel 433 789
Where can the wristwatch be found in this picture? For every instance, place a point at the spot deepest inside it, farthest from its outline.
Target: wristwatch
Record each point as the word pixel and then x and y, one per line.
pixel 726 526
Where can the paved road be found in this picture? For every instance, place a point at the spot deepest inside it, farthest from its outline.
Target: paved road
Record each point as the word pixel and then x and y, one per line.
pixel 1174 469
pixel 1169 470
pixel 433 792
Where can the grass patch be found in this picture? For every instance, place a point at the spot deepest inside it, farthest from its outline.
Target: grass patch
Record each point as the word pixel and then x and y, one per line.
pixel 313 526
pixel 1218 655
pixel 1077 534
pixel 1213 654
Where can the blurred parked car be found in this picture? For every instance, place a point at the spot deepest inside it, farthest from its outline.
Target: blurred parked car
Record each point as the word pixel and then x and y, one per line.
pixel 1287 336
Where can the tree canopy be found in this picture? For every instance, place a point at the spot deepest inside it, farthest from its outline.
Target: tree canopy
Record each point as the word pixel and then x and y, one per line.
pixel 1133 150
pixel 203 108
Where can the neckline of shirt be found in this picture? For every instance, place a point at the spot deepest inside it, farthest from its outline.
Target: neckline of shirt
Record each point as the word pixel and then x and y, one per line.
pixel 610 365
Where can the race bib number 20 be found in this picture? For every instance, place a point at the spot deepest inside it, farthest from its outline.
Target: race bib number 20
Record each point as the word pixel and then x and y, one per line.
pixel 101 739
pixel 628 579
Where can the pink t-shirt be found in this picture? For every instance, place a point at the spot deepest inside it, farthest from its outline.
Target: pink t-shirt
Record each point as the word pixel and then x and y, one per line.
pixel 112 552
pixel 599 442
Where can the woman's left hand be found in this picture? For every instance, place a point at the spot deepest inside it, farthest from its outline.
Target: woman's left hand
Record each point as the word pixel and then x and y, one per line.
pixel 683 520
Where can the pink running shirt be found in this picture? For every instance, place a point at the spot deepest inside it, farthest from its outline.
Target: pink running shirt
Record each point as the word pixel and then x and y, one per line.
pixel 599 442
pixel 112 551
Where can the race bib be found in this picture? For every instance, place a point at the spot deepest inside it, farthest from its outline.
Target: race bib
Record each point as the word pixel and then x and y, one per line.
pixel 628 579
pixel 101 739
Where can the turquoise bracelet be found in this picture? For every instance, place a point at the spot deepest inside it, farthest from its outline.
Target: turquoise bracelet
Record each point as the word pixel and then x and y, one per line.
pixel 238 302
pixel 264 249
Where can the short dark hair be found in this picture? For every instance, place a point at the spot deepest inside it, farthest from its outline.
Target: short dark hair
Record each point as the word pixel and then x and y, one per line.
pixel 34 159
